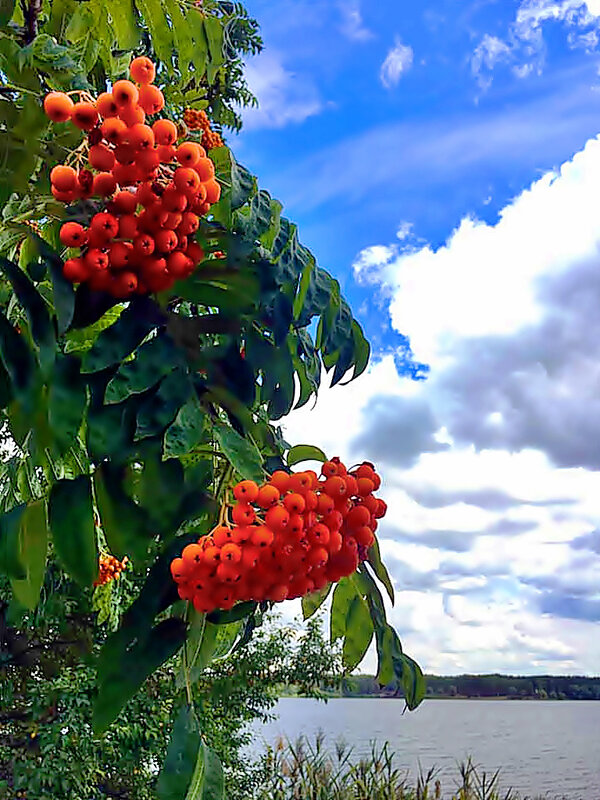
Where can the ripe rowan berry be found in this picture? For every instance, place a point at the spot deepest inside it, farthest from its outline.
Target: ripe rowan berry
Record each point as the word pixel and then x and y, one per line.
pixel 365 486
pixel 246 491
pixel 250 555
pixel 262 536
pixel 358 516
pixel 106 106
pixel 277 518
pixel 63 178
pixel 319 534
pixel 243 514
pixel 294 503
pixel 277 594
pixel 187 181
pixel 335 542
pixel 165 133
pixel 335 487
pixel 166 153
pixel 317 557
pixel 179 265
pixel 174 200
pixel 84 116
pixel 151 99
pixel 205 169
pixel 189 223
pixel 334 520
pixel 166 241
pixel 114 130
pixel 76 270
pixel 120 254
pixel 364 536
pixel 351 486
pixel 231 552
pixel 267 496
pixel 325 504
pixel 142 70
pixel 72 234
pixel 105 224
pixel 195 252
pixel 365 470
pixel 58 106
pixel 125 93
pixel 213 191
pixel 96 260
pixel 128 226
pixel 228 571
pixel 104 184
pixel 280 480
pixel 188 154
pixel 141 137
pixel 221 535
pixel 192 554
pixel 101 157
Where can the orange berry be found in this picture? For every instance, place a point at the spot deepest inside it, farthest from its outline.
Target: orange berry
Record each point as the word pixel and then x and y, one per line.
pixel 105 225
pixel 365 470
pixel 358 516
pixel 64 179
pixel 318 557
pixel 120 254
pixel 84 116
pixel 294 503
pixel 277 518
pixel 95 260
pixel 278 593
pixel 106 105
pixel 165 132
pixel 151 99
pixel 267 496
pixel 114 130
pixel 144 245
pixel 280 480
pixel 195 252
pixel 213 191
pixel 75 270
pixel 125 93
pixel 72 234
pixel 104 184
pixel 192 554
pixel 188 154
pixel 58 106
pixel 300 482
pixel 365 486
pixel 166 153
pixel 246 491
pixel 205 169
pixel 141 137
pixel 243 514
pixel 124 284
pixel 319 534
pixel 166 241
pixel 262 536
pixel 142 70
pixel 221 536
pixel 231 553
pixel 101 157
pixel 187 181
pixel 132 115
pixel 335 487
pixel 364 536
pixel 190 224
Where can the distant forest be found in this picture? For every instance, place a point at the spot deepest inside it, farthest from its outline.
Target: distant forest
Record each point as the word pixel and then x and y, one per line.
pixel 542 687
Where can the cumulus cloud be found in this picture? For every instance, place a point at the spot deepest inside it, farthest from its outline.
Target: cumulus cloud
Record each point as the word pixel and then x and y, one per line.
pixel 284 97
pixel 479 458
pixel 397 62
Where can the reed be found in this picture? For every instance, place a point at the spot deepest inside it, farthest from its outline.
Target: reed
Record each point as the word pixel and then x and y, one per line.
pixel 309 770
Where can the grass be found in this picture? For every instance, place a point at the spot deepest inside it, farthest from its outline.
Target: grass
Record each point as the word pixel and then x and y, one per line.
pixel 308 770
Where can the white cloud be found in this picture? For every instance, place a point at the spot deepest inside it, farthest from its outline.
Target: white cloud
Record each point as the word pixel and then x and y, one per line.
pixel 525 46
pixel 283 97
pixel 353 26
pixel 397 62
pixel 491 541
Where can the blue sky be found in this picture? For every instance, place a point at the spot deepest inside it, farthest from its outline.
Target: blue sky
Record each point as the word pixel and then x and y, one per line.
pixel 441 160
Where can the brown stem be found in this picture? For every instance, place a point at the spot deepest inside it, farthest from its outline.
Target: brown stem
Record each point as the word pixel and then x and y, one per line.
pixel 31 12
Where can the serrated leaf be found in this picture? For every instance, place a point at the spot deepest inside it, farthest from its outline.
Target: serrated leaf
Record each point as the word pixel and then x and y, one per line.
pixel 374 559
pixel 67 399
pixel 71 517
pixel 242 454
pixel 34 549
pixel 305 452
pixel 10 543
pixel 359 633
pixel 343 597
pixel 237 613
pixel 125 675
pixel 180 762
pixel 159 410
pixel 155 18
pixel 311 603
pixel 117 342
pixel 188 430
pixel 151 362
pixel 17 359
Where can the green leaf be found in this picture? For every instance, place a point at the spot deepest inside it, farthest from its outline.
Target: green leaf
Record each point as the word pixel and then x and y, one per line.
pixel 237 613
pixel 17 358
pixel 82 339
pixel 125 524
pixel 121 339
pixel 67 400
pixel 243 184
pixel 359 633
pixel 7 8
pixel 62 290
pixel 188 430
pixel 379 568
pixel 123 19
pixel 183 752
pixel 155 18
pixel 34 549
pixel 124 676
pixel 10 543
pixel 305 452
pixel 311 603
pixel 35 308
pixel 242 454
pixel 413 683
pixel 151 362
pixel 160 409
pixel 343 597
pixel 71 515
pixel 213 781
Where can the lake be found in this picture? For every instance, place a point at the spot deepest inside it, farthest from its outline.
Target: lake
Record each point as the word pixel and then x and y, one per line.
pixel 539 746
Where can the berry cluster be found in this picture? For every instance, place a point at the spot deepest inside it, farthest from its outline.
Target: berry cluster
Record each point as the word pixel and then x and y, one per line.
pixel 287 538
pixel 198 121
pixel 110 569
pixel 154 189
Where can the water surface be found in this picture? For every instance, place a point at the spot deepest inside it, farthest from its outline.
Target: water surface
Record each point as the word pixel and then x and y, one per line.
pixel 539 746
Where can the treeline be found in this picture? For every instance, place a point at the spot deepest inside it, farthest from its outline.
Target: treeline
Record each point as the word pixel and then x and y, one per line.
pixel 541 687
